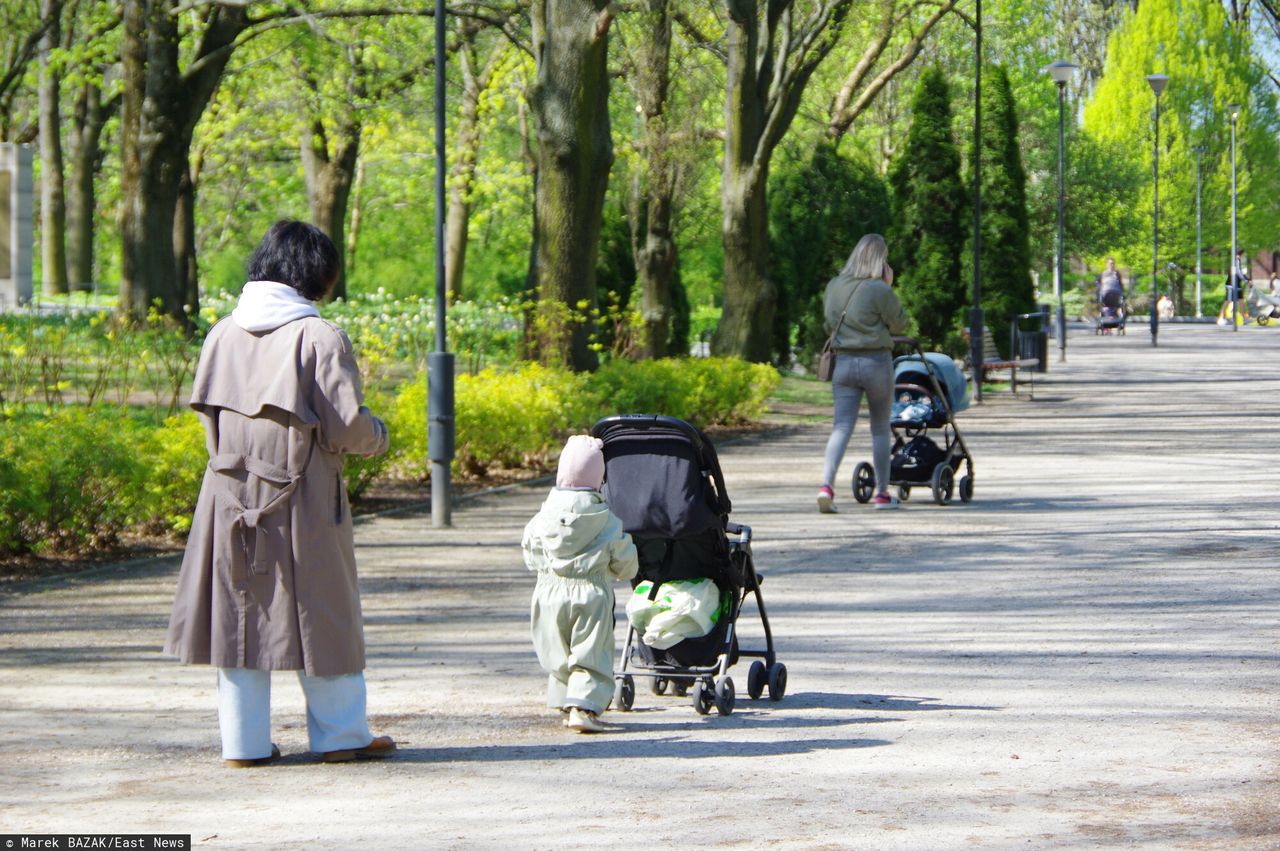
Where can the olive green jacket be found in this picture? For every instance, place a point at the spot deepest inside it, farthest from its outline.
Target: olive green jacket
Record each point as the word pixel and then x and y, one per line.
pixel 874 316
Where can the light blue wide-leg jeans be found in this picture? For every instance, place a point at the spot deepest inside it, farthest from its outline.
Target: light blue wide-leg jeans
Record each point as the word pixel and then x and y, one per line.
pixel 336 712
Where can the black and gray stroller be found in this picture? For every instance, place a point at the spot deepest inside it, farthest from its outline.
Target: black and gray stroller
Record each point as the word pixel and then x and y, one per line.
pixel 1112 311
pixel 929 388
pixel 663 480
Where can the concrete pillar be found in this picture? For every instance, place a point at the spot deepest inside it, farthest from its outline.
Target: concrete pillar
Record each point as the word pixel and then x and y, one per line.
pixel 17 228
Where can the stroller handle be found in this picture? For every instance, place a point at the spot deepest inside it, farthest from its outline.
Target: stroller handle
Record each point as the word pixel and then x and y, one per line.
pixel 742 530
pixel 628 422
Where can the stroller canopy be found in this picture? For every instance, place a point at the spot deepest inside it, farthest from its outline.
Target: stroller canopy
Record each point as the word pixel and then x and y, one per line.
pixel 910 369
pixel 663 476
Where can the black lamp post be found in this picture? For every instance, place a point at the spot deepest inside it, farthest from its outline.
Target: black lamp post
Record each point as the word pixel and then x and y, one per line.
pixel 440 420
pixel 1200 149
pixel 1157 83
pixel 1061 71
pixel 975 312
pixel 1234 293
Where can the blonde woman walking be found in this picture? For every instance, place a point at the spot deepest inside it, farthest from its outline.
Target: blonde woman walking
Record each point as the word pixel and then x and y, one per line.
pixel 863 312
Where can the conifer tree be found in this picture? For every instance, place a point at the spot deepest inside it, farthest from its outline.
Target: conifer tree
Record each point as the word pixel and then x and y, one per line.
pixel 929 217
pixel 1007 289
pixel 819 209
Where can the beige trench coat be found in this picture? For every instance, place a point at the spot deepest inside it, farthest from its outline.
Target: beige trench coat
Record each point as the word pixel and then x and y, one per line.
pixel 268 580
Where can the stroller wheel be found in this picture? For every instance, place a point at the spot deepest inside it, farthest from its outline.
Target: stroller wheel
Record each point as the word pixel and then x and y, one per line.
pixel 904 493
pixel 1263 320
pixel 864 482
pixel 966 488
pixel 703 696
pixel 757 679
pixel 658 685
pixel 680 688
pixel 624 693
pixel 724 695
pixel 943 483
pixel 777 681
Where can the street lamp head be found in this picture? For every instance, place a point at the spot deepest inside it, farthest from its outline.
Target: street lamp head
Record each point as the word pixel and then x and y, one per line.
pixel 1157 83
pixel 1234 109
pixel 1062 71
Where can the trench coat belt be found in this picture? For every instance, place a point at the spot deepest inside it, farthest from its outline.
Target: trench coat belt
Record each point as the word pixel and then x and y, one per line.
pixel 250 518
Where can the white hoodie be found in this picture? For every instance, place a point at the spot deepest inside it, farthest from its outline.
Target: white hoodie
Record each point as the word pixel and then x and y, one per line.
pixel 266 305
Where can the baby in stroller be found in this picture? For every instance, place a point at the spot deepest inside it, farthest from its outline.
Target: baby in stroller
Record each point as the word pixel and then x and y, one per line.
pixel 578 548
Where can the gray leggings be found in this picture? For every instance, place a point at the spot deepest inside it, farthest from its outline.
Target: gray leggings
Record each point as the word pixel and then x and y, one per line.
pixel 872 373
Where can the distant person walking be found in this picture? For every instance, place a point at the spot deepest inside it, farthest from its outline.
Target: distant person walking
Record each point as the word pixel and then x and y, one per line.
pixel 268 582
pixel 1237 284
pixel 862 312
pixel 1110 282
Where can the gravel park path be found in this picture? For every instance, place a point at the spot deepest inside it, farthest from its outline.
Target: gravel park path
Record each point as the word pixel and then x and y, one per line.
pixel 1084 656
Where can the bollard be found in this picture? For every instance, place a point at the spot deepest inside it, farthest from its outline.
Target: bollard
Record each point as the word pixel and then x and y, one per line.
pixel 440 434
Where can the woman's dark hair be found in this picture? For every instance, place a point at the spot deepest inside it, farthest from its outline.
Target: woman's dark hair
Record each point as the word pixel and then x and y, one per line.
pixel 297 254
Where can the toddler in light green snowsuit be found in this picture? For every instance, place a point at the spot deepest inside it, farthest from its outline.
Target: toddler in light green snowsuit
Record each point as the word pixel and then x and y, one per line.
pixel 577 548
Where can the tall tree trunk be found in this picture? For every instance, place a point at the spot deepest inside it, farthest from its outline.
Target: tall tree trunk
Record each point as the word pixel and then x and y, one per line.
pixel 750 296
pixel 357 217
pixel 770 57
pixel 466 147
pixel 330 175
pixel 53 214
pixel 85 154
pixel 570 103
pixel 162 105
pixel 655 247
pixel 184 240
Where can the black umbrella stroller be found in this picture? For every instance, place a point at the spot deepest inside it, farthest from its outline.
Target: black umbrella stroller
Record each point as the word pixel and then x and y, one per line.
pixel 929 388
pixel 663 480
pixel 1111 307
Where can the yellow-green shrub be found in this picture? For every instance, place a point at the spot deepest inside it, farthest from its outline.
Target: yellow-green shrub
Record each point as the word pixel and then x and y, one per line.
pixel 71 481
pixel 504 418
pixel 176 463
pixel 704 391
pixel 520 417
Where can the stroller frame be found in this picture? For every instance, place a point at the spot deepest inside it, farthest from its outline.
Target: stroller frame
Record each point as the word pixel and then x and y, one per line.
pixel 942 481
pixel 708 685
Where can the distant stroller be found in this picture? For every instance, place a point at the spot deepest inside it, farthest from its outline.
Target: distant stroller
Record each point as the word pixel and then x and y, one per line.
pixel 929 388
pixel 1112 310
pixel 1265 304
pixel 663 480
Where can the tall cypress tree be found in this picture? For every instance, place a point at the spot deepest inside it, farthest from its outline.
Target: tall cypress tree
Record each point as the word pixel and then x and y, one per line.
pixel 818 210
pixel 1007 289
pixel 929 212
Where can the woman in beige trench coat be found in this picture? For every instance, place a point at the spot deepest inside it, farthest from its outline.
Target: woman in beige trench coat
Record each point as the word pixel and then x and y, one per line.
pixel 268 581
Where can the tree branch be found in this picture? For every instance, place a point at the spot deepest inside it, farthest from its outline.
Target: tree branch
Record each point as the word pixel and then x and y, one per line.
pixel 842 120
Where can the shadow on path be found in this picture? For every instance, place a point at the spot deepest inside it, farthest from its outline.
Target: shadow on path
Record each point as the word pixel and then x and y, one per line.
pixel 611 746
pixel 879 702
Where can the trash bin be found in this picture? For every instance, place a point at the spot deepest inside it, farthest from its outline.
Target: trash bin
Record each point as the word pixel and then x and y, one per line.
pixel 1034 343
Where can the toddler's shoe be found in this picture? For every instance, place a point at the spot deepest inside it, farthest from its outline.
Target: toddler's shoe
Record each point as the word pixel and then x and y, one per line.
pixel 884 500
pixel 584 721
pixel 826 500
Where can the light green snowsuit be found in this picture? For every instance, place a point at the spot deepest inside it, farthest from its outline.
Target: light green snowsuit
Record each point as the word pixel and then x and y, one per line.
pixel 577 548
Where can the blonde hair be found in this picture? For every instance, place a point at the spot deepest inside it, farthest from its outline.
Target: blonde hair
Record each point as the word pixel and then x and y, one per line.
pixel 867 259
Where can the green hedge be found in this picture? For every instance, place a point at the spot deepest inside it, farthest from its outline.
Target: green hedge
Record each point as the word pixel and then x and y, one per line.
pixel 81 478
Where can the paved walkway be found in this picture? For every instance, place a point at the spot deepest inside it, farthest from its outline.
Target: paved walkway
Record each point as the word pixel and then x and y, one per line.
pixel 1084 656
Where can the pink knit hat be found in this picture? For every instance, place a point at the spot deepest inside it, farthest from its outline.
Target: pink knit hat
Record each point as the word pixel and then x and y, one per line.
pixel 581 463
